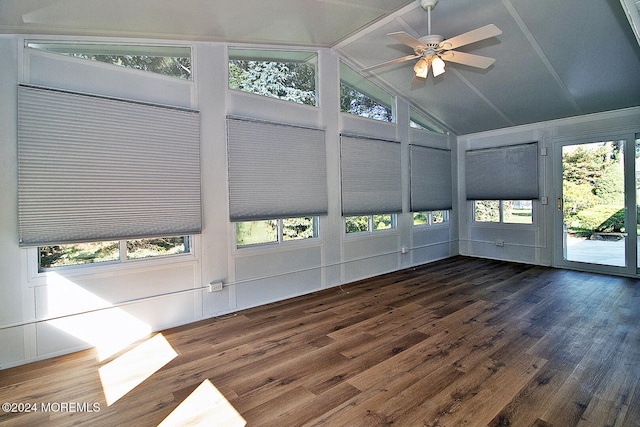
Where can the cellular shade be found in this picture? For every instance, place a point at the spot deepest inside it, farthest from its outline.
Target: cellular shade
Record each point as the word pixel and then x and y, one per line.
pixel 503 173
pixel 371 176
pixel 93 168
pixel 275 170
pixel 431 185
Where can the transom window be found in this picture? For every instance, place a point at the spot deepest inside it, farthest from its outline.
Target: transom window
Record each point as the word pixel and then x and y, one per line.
pixel 418 120
pixel 274 231
pixel 505 211
pixel 362 98
pixel 79 254
pixel 290 76
pixel 174 61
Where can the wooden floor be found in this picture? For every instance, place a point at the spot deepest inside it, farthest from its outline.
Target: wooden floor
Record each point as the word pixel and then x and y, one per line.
pixel 462 341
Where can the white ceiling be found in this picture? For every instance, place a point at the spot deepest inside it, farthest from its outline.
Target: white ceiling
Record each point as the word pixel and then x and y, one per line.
pixel 554 59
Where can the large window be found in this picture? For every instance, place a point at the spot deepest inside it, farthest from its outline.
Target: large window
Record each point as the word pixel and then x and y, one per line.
pixel 369 223
pixel 362 98
pixel 273 231
pixel 504 211
pixel 78 254
pixel 290 76
pixel 174 61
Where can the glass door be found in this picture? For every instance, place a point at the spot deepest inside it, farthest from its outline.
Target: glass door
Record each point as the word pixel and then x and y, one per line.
pixel 597 186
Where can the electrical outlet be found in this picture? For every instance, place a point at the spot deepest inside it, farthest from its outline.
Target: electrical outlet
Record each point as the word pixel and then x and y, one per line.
pixel 215 286
pixel 500 243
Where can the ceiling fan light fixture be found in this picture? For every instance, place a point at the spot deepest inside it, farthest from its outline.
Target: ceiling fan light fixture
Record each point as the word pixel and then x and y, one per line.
pixel 437 64
pixel 421 68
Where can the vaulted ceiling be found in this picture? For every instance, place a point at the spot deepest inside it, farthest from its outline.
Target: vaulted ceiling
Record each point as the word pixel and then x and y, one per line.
pixel 554 59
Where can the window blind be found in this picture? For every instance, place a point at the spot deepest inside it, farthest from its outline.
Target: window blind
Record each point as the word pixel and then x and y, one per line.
pixel 92 168
pixel 275 170
pixel 371 176
pixel 430 173
pixel 503 173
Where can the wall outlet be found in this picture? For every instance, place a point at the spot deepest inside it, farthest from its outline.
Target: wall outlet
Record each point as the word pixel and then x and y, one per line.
pixel 215 286
pixel 500 243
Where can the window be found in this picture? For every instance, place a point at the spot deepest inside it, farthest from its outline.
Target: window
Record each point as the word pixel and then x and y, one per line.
pixel 505 211
pixel 290 76
pixel 77 254
pixel 174 61
pixel 273 231
pixel 369 223
pixel 419 121
pixel 362 98
pixel 430 217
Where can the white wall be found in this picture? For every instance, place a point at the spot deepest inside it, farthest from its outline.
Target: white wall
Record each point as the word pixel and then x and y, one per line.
pixel 529 243
pixel 252 276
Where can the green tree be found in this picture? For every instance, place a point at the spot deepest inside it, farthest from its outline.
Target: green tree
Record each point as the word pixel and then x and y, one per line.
pixel 355 102
pixel 356 224
pixel 486 210
pixel 170 66
pixel 297 228
pixel 593 184
pixel 290 81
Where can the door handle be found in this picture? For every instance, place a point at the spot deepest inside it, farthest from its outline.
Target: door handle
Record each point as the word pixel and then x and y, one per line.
pixel 559 203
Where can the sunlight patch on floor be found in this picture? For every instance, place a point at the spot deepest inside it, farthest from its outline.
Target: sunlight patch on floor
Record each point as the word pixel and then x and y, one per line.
pixel 109 330
pixel 205 406
pixel 124 373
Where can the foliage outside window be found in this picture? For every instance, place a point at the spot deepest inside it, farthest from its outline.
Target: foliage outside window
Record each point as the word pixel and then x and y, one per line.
pixel 174 61
pixel 362 98
pixel 430 217
pixel 593 187
pixel 369 223
pixel 77 254
pixel 290 76
pixel 504 211
pixel 273 231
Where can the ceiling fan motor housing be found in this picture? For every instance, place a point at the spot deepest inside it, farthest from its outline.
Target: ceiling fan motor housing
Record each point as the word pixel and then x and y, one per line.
pixel 431 44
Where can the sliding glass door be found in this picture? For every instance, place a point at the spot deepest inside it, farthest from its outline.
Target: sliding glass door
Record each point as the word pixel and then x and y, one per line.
pixel 596 212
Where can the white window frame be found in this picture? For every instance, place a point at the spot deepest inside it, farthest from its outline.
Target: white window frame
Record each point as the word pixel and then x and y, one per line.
pixel 273 55
pixel 37 276
pixel 446 213
pixel 501 214
pixel 350 78
pixel 280 241
pixel 75 47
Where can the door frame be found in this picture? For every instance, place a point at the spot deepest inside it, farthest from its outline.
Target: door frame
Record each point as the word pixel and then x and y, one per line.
pixel 631 249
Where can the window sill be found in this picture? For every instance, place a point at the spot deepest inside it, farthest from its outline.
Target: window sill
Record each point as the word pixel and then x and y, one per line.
pixel 39 278
pixel 364 235
pixel 508 225
pixel 268 248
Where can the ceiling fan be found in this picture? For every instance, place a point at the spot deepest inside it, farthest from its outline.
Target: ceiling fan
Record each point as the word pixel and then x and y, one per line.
pixel 432 50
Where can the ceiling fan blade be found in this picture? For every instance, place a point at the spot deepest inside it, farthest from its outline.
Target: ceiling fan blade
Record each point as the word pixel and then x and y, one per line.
pixel 471 37
pixel 467 59
pixel 393 61
pixel 407 39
